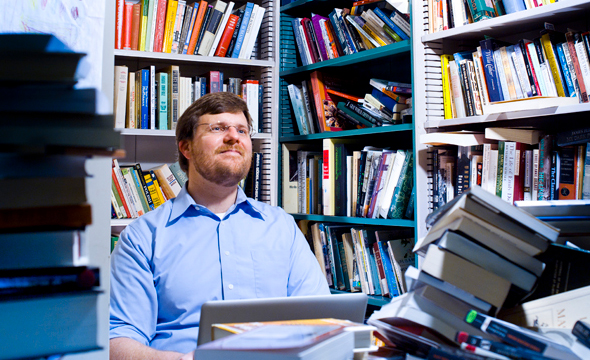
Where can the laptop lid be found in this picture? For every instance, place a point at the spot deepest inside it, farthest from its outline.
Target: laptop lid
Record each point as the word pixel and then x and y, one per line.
pixel 339 306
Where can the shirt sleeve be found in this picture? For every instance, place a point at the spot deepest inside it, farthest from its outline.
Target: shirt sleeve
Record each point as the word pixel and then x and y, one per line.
pixel 133 302
pixel 306 276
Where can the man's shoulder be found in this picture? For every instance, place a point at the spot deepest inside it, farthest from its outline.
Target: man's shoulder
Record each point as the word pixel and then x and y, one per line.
pixel 269 210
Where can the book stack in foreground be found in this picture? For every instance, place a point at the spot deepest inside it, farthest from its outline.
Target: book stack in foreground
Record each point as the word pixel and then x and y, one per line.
pixel 321 339
pixel 481 256
pixel 48 291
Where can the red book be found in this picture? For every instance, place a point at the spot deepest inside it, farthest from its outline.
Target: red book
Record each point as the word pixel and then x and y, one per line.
pixel 379 262
pixel 127 20
pixel 119 14
pixel 227 35
pixel 325 107
pixel 135 21
pixel 160 25
pixel 310 39
pixel 519 175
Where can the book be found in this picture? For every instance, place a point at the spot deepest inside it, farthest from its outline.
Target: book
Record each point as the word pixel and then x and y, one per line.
pixel 248 8
pixel 212 25
pixel 251 35
pixel 227 35
pixel 520 337
pixel 160 25
pixel 295 95
pixel 526 136
pixel 362 333
pixel 196 30
pixel 27 192
pixel 459 138
pixel 190 16
pixel 72 317
pixel 282 342
pixel 562 310
pixel 167 181
pixel 169 26
pixel 37 281
pixel 178 173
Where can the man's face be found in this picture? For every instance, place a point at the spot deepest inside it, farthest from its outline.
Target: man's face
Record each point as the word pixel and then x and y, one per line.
pixel 223 158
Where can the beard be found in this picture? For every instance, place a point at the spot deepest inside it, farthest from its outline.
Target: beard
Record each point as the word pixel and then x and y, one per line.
pixel 224 172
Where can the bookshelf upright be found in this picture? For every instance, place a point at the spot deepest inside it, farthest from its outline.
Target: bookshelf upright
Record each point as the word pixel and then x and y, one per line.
pixel 427 50
pixel 390 62
pixel 152 147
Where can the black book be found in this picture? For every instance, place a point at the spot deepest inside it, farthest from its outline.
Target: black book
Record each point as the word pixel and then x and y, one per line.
pixel 47 280
pixel 528 66
pixel 581 331
pixel 234 37
pixel 206 20
pixel 340 171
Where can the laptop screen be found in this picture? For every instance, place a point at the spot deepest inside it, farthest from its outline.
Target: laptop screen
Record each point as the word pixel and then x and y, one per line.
pixel 339 306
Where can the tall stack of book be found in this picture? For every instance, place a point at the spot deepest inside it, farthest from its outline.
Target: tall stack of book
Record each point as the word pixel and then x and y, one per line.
pixel 50 129
pixel 481 255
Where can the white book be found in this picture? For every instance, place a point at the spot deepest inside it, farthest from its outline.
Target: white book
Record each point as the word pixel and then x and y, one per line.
pixel 178 26
pixel 153 97
pixel 134 194
pixel 209 35
pixel 537 68
pixel 509 172
pixel 389 158
pixel 456 90
pixel 520 68
pixel 307 51
pixel 253 33
pixel 535 174
pixel 120 98
pixel 572 70
pixel 349 185
pixel 493 177
pixel 513 72
pixel 130 122
pixel 528 175
pixel 480 77
pixel 151 29
pixel 396 168
pixel 501 76
pixel 221 27
pixel 248 26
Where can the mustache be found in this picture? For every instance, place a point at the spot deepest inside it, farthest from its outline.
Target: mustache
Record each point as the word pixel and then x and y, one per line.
pixel 237 148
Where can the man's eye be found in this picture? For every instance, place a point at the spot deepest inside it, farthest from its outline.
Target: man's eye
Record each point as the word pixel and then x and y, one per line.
pixel 216 128
pixel 242 131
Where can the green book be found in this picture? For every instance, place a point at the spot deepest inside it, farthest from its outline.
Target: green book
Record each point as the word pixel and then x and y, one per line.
pixel 500 173
pixel 403 189
pixel 162 80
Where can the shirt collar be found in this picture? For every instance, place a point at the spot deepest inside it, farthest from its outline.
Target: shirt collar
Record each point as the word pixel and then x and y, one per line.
pixel 184 201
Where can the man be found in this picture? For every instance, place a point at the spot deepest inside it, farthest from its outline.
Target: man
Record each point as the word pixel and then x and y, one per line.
pixel 211 242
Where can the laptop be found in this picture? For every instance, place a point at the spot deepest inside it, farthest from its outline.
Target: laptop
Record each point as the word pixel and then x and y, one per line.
pixel 339 306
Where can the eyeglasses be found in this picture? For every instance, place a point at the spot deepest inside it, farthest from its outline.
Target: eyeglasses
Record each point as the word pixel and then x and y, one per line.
pixel 222 128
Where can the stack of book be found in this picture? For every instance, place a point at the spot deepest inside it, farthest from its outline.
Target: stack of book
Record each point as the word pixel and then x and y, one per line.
pixel 482 256
pixel 50 130
pixel 326 103
pixel 550 70
pixel 320 339
pixel 151 98
pixel 201 28
pixel 366 25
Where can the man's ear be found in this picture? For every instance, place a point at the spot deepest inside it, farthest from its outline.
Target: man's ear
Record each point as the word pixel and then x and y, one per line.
pixel 184 146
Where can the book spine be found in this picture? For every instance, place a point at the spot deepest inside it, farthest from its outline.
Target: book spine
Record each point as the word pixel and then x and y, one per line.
pixel 333 16
pixel 298 39
pixel 360 111
pixel 196 30
pixel 489 66
pixel 466 88
pixel 127 25
pixel 205 24
pixel 187 27
pixel 402 191
pixel 234 37
pixel 143 26
pixel 500 169
pixel 178 21
pixel 163 83
pixel 135 20
pixel 169 26
pixel 391 24
pixel 535 91
pixel 226 36
pixel 567 78
pixel 572 70
pixel 553 65
pixel 160 25
pixel 151 27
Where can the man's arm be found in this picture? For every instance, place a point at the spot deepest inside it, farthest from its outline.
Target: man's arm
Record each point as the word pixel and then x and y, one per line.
pixel 128 349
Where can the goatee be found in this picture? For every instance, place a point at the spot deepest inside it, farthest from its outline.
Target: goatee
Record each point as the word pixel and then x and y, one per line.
pixel 222 172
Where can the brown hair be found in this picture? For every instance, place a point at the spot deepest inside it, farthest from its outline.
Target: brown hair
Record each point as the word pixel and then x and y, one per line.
pixel 213 104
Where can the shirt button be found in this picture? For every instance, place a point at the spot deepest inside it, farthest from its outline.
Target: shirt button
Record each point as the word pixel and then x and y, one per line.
pixel 231 286
pixel 227 253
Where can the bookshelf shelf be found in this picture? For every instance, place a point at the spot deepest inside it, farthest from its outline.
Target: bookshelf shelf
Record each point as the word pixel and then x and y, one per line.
pixel 190 59
pixel 518 22
pixel 172 133
pixel 120 222
pixel 533 115
pixel 399 48
pixel 347 133
pixel 354 220
pixel 374 300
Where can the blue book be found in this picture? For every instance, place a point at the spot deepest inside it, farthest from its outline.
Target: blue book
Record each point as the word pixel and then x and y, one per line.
pixel 333 16
pixel 512 6
pixel 144 116
pixel 299 41
pixel 501 75
pixel 388 268
pixel 384 99
pixel 490 71
pixel 347 35
pixel 391 24
pixel 190 28
pixel 243 28
pixel 203 85
pixel 565 72
pixel 374 272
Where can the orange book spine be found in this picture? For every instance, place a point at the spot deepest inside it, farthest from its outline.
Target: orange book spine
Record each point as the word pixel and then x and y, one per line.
pixel 226 36
pixel 346 96
pixel 197 27
pixel 160 24
pixel 135 20
pixel 127 19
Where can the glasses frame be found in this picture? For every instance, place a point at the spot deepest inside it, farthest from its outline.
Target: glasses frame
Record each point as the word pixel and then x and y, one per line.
pixel 225 128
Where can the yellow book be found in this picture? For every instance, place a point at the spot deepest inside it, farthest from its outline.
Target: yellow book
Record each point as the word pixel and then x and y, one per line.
pixel 169 29
pixel 156 199
pixel 446 84
pixel 143 25
pixel 373 35
pixel 552 60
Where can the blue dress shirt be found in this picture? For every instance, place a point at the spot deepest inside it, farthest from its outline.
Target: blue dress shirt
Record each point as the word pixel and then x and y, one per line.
pixel 170 261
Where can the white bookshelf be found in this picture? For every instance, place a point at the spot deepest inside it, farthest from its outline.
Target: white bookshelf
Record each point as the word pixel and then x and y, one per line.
pixel 427 49
pixel 154 147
